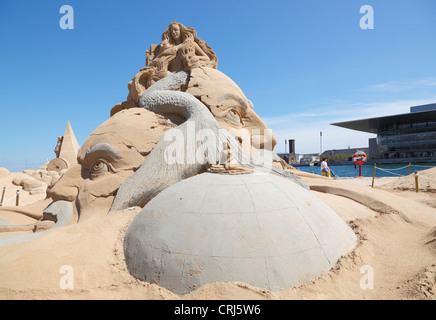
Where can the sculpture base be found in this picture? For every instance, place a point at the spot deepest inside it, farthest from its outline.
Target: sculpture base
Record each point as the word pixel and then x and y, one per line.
pixel 263 230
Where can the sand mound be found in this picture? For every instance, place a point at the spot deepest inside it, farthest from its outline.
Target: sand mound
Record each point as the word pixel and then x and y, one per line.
pixel 14 181
pixel 4 173
pixel 430 239
pixel 426 182
pixel 91 252
pixel 427 281
pixel 395 257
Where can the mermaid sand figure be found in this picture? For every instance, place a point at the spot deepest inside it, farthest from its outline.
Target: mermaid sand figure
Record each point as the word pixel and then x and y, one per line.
pixel 179 50
pixel 182 50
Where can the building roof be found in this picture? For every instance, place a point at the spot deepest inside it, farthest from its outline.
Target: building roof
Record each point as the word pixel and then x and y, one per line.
pixel 425 107
pixel 376 125
pixel 344 151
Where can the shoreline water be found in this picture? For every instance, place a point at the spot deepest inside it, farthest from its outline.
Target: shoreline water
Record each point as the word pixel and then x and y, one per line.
pixel 382 170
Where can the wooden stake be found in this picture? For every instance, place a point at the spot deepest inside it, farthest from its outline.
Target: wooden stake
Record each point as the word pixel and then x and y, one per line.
pixel 408 170
pixel 3 196
pixel 17 202
pixel 373 176
pixel 416 181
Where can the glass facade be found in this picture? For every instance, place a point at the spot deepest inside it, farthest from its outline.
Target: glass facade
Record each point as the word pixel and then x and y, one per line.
pixel 407 135
pixel 417 139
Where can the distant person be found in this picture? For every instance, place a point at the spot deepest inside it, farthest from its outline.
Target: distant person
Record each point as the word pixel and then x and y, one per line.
pixel 325 168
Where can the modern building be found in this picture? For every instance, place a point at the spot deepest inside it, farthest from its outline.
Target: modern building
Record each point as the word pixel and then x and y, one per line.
pixel 410 136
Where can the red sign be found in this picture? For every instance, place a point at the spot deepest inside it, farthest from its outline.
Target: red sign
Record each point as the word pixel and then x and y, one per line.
pixel 359 157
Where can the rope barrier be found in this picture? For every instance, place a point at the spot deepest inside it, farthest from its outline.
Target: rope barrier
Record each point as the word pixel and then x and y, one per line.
pixel 8 199
pixel 387 170
pixel 416 174
pixel 17 195
pixel 28 190
pixel 395 168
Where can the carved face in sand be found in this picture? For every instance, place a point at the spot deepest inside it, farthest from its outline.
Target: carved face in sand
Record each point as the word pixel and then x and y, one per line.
pixel 119 147
pixel 175 32
pixel 231 108
pixel 112 153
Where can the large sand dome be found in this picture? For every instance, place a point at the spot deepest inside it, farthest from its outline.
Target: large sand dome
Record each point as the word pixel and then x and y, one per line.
pixel 259 229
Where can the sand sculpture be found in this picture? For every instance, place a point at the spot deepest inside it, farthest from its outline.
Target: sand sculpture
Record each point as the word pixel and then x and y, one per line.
pixel 179 50
pixel 38 181
pixel 218 204
pixel 66 151
pixel 199 227
pixel 113 152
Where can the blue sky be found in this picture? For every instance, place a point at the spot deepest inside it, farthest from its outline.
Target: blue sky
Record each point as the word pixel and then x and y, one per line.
pixel 303 64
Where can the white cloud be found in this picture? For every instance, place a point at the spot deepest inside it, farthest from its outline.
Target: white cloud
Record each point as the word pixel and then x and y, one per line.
pixel 380 109
pixel 397 86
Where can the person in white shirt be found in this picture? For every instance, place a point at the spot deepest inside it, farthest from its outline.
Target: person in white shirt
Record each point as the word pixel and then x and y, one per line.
pixel 325 168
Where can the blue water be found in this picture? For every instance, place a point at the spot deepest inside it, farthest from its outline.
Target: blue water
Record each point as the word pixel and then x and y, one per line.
pixel 383 170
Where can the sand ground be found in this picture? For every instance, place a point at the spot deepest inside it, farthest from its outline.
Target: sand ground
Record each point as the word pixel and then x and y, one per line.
pixel 394 259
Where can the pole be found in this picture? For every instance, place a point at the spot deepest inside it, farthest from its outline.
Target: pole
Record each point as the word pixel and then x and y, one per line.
pixel 416 181
pixel 3 196
pixel 17 202
pixel 320 144
pixel 408 170
pixel 360 170
pixel 373 176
